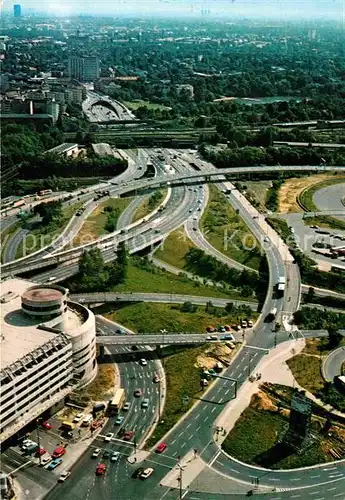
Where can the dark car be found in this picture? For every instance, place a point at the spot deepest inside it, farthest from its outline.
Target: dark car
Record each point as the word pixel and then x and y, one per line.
pixel 106 454
pixel 138 472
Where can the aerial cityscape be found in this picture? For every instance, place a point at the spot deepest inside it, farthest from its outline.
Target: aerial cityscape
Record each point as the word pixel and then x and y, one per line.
pixel 172 250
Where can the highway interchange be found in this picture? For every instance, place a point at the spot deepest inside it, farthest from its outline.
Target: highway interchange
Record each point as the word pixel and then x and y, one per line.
pixel 196 431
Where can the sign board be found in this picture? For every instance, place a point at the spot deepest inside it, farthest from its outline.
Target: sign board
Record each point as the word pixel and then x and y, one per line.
pixel 301 404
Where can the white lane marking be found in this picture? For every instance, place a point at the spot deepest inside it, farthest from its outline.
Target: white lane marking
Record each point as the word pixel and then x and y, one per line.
pixel 295 496
pixel 240 375
pixel 318 475
pixel 219 463
pixel 214 458
pixel 331 489
pixel 188 426
pixel 172 442
pixel 295 479
pixel 330 468
pixel 225 393
pixel 182 445
pixel 213 409
pixel 198 428
pixel 180 434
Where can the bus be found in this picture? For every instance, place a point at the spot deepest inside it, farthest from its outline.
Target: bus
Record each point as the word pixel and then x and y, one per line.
pixel 44 192
pixel 117 402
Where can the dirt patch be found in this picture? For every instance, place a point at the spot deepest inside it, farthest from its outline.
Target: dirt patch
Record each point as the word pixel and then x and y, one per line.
pixel 213 354
pixel 291 189
pixel 261 401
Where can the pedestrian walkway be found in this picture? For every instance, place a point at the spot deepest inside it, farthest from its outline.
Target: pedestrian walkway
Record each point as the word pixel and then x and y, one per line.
pixel 188 468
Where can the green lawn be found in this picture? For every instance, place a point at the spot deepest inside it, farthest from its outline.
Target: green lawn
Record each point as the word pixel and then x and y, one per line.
pixel 307 371
pixel 152 317
pixel 150 204
pixel 45 235
pixel 324 221
pixel 93 226
pixel 138 103
pixel 227 232
pixel 174 248
pixel 144 277
pixel 254 440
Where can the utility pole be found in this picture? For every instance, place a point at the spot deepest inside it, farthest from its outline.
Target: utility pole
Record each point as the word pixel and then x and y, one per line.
pixel 38 440
pixel 181 469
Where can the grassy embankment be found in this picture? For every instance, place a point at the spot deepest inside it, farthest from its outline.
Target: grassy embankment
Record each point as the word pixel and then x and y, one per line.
pixel 254 440
pixel 94 225
pixel 227 232
pixel 42 236
pixel 6 234
pixel 174 248
pixel 138 103
pixel 305 199
pixel 152 317
pixel 143 276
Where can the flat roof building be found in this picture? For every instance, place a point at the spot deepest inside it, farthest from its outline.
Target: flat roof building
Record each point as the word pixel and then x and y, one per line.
pixel 48 349
pixel 65 149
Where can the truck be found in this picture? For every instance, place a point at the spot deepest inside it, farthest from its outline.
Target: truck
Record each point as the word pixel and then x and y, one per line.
pixel 281 285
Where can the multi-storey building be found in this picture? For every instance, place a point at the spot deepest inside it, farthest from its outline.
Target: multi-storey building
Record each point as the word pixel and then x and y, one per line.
pixel 84 69
pixel 48 349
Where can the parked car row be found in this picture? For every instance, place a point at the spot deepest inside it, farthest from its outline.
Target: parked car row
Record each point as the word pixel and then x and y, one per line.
pixel 245 323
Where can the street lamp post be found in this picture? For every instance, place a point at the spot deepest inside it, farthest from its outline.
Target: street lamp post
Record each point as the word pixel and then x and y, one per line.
pixel 38 439
pixel 181 469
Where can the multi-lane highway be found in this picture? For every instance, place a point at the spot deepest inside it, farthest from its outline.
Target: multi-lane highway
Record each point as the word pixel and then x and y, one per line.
pixel 196 430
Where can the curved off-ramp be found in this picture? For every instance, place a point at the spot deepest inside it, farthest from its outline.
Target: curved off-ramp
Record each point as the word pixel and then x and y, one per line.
pixel 331 366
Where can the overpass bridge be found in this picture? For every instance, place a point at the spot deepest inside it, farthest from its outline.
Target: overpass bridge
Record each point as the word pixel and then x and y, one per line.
pixel 161 339
pixel 100 298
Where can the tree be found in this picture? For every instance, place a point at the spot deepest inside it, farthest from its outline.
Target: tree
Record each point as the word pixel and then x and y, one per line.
pixel 122 261
pixel 49 211
pixel 188 307
pixel 310 296
pixel 334 338
pixel 229 307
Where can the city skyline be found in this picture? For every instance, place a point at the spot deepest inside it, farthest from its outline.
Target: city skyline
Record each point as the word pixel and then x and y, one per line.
pixel 326 9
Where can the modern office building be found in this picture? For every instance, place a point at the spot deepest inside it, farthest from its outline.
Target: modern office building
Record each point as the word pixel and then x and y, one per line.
pixel 48 349
pixel 84 69
pixel 17 10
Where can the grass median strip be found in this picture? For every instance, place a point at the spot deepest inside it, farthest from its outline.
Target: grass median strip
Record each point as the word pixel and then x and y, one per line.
pixel 95 225
pixel 150 204
pixel 227 232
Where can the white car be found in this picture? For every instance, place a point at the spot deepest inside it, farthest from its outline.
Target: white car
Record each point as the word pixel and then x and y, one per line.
pixel 96 452
pixel 146 473
pixel 109 437
pixel 64 476
pixel 143 362
pixel 115 456
pixel 126 406
pixel 78 417
pixel 45 460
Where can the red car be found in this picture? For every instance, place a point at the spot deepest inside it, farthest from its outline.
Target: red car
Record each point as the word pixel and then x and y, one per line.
pixel 100 470
pixel 227 328
pixel 47 425
pixel 41 451
pixel 161 447
pixel 211 329
pixel 128 435
pixel 58 452
pixel 138 393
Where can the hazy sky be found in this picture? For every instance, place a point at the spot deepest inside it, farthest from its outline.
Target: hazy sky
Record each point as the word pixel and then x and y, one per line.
pixel 252 8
